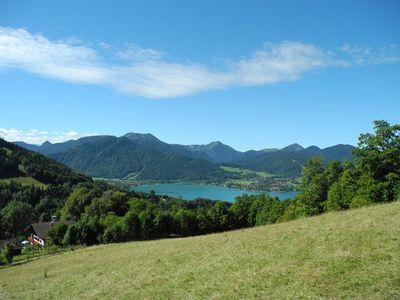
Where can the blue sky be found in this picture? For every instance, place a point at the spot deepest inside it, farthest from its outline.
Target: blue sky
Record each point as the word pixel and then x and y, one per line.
pixel 252 74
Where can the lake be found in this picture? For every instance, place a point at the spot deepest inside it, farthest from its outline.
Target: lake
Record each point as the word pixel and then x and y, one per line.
pixel 190 191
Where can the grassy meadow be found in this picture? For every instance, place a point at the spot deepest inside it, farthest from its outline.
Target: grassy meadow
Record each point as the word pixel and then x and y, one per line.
pixel 353 254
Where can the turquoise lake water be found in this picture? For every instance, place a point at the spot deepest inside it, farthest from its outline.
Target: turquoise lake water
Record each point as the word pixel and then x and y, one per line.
pixel 190 191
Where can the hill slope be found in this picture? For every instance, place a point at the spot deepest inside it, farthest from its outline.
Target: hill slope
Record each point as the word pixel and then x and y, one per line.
pixel 24 166
pixel 140 158
pixel 143 156
pixel 352 254
pixel 289 160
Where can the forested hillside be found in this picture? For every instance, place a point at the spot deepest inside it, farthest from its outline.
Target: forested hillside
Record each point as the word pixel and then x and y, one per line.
pixel 144 157
pixel 109 215
pixel 289 161
pixel 32 187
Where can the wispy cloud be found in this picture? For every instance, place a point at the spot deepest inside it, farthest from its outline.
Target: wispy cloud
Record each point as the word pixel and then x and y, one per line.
pixel 364 55
pixel 144 72
pixel 35 136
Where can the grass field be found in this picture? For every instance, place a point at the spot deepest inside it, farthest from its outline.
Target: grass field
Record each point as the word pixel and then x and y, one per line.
pixel 353 254
pixel 245 172
pixel 25 181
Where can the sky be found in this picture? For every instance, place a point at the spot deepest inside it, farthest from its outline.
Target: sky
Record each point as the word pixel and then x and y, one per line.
pixel 251 74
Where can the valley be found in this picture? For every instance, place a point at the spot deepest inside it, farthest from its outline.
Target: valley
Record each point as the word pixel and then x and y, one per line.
pixel 137 159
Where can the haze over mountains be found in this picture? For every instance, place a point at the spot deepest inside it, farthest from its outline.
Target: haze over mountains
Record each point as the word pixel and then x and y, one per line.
pixel 144 157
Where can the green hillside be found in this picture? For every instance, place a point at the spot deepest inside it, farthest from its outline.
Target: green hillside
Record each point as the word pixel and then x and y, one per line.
pixel 17 162
pixel 148 158
pixel 32 188
pixel 353 254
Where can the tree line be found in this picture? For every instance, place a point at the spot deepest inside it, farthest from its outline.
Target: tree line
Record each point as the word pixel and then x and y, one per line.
pixel 96 212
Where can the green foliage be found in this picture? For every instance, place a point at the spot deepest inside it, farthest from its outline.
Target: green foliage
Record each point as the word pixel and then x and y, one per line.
pixel 378 154
pixel 114 233
pixel 314 186
pixel 57 233
pixel 374 178
pixel 360 201
pixel 71 237
pixel 334 201
pixel 294 209
pixel 133 227
pixel 15 217
pixel 115 201
pixel 77 201
pixel 42 187
pixel 240 209
pixel 8 253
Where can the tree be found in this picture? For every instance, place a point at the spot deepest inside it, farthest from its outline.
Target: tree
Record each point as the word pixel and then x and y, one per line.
pixel 147 223
pixel 334 200
pixel 71 237
pixel 332 172
pixel 163 223
pixel 314 186
pixel 186 222
pixel 76 203
pixel 294 209
pixel 15 217
pixel 57 233
pixel 379 154
pixel 240 209
pixel 220 216
pixel 132 225
pixel 271 210
pixel 114 233
pixel 115 201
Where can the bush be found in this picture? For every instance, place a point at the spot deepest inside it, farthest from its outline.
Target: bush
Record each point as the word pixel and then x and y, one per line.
pixel 8 253
pixel 71 237
pixel 57 232
pixel 114 234
pixel 359 201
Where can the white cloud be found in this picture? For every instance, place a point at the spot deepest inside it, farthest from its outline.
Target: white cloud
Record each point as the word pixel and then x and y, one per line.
pixel 364 55
pixel 143 72
pixel 37 137
pixel 135 53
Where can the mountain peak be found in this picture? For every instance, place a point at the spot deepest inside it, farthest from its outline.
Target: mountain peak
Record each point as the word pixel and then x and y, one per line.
pixel 142 137
pixel 215 143
pixel 293 147
pixel 313 148
pixel 46 143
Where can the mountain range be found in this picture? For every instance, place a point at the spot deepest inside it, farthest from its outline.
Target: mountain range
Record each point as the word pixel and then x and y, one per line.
pixel 145 157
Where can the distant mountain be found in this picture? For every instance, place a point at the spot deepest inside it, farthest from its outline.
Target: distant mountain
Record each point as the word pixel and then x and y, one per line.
pixel 28 146
pixel 215 152
pixel 289 161
pixel 136 156
pixel 143 156
pixel 292 147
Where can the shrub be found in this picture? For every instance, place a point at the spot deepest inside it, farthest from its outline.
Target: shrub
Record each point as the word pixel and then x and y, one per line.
pixel 57 232
pixel 8 253
pixel 71 237
pixel 359 201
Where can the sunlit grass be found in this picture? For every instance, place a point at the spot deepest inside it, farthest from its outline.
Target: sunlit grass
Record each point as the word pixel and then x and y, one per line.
pixel 352 254
pixel 246 171
pixel 25 181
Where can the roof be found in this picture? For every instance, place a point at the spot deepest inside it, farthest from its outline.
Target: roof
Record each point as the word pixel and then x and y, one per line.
pixel 41 229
